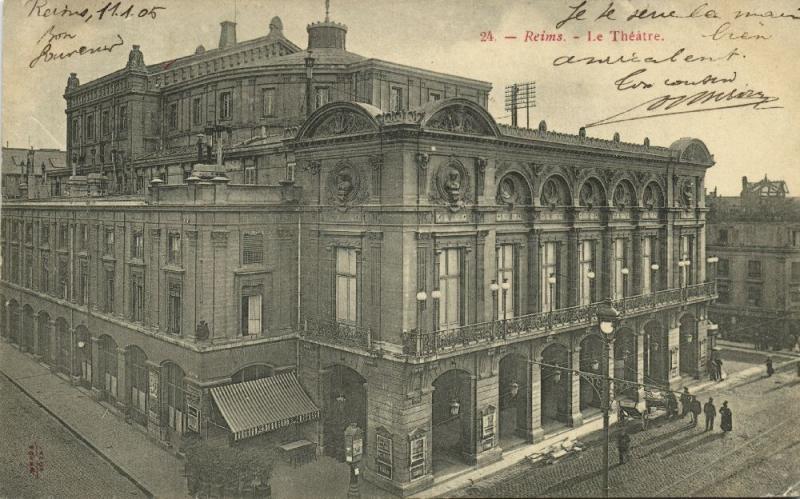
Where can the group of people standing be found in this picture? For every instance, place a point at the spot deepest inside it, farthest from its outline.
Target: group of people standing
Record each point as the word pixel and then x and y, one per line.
pixel 690 405
pixel 715 371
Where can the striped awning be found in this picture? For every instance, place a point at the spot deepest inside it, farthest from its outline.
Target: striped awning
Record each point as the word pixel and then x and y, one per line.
pixel 264 405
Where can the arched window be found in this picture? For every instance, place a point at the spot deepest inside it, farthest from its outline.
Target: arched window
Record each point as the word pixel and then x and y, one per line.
pixel 108 367
pixel 251 373
pixel 138 377
pixel 173 396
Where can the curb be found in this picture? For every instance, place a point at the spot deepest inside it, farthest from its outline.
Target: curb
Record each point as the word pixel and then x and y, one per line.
pixel 80 437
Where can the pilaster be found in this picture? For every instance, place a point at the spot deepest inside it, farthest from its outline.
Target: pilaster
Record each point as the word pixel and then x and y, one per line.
pixel 122 381
pixel 533 402
pixel 574 416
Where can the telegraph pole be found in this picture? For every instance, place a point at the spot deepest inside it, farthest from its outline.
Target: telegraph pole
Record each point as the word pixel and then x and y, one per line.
pixel 520 95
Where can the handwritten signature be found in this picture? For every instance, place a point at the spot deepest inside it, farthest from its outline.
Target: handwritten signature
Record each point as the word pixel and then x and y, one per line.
pixel 706 100
pixel 49 55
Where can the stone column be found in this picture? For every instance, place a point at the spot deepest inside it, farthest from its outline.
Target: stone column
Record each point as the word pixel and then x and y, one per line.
pixel 533 402
pixel 51 324
pixel 640 346
pixel 606 278
pixel 74 368
pixel 154 423
pixel 35 332
pixel 533 278
pixel 154 288
pixel 122 382
pixel 574 416
pixel 469 425
pixel 97 382
pixel 573 268
pixel 189 315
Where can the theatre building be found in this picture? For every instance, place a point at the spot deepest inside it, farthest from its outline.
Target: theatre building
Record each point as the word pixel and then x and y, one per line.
pixel 384 254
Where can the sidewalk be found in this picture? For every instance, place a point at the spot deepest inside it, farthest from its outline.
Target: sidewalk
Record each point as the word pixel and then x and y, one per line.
pixel 443 488
pixel 152 468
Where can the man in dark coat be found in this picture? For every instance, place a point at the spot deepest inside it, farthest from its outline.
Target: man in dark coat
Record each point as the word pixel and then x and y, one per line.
pixel 726 418
pixel 686 399
pixel 695 409
pixel 672 405
pixel 623 446
pixel 718 362
pixel 770 369
pixel 710 412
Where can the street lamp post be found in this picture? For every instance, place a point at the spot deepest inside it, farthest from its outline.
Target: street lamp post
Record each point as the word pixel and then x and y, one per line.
pixel 624 271
pixel 494 287
pixel 712 261
pixel 653 272
pixel 551 281
pixel 607 317
pixel 591 275
pixel 421 297
pixel 505 286
pixel 436 295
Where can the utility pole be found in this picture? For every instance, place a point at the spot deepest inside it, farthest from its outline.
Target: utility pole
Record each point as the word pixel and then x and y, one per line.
pixel 520 95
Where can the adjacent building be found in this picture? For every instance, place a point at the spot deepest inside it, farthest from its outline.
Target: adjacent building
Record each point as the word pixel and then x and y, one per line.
pixel 351 241
pixel 25 172
pixel 756 237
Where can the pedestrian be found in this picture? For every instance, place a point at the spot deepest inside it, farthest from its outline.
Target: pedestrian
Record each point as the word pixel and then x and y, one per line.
pixel 623 446
pixel 672 405
pixel 686 399
pixel 710 412
pixel 711 367
pixel 725 418
pixel 720 372
pixel 770 369
pixel 695 410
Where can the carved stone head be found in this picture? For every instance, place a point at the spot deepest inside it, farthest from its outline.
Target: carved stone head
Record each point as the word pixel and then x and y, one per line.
pixel 452 185
pixel 344 185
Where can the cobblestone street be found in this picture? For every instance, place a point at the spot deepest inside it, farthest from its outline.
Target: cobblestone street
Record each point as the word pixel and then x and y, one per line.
pixel 759 457
pixel 68 467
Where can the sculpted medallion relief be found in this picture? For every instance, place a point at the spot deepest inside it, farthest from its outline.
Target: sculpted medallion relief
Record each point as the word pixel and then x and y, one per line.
pixel 451 185
pixel 346 185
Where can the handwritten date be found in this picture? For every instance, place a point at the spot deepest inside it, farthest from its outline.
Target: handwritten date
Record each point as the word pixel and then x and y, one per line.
pixel 41 8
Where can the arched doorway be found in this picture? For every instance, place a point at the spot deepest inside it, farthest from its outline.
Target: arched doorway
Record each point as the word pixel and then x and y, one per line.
pixel 656 369
pixel 83 356
pixel 62 346
pixel 173 398
pixel 44 337
pixel 450 418
pixel 591 358
pixel 555 386
pixel 107 367
pixel 27 331
pixel 138 379
pixel 688 345
pixel 345 404
pixel 512 390
pixel 13 321
pixel 626 363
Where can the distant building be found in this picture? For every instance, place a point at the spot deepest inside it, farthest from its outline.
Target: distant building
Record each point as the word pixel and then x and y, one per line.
pixel 756 236
pixel 29 173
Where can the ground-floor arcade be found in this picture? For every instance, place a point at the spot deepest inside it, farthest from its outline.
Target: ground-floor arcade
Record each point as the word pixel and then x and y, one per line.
pixel 434 416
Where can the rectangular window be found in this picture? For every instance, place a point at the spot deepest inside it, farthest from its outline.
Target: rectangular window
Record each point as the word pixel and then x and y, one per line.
pixel 450 304
pixel 44 276
pixel 687 255
pixel 795 274
pixel 173 116
pixel 722 236
pixel 506 272
pixel 137 298
pixel 109 243
pixel 620 268
pixel 250 175
pixel 122 118
pixel 90 126
pixel 196 111
pixel 104 123
pixel 29 233
pixel 754 269
pixel 174 248
pixel 588 276
pixel 83 282
pixel 63 236
pixel 109 289
pixel 225 106
pixel 83 237
pixel 251 314
pixel 267 101
pixel 174 309
pixel 549 284
pixel 137 245
pixel 647 261
pixel 754 296
pixel 796 238
pixel 723 267
pixel 321 97
pixel 346 286
pixel 28 281
pixel 45 235
pixel 396 99
pixel 434 96
pixel 76 131
pixel 63 278
pixel 252 248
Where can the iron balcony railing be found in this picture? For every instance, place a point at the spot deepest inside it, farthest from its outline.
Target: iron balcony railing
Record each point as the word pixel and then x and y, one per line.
pixel 418 343
pixel 337 333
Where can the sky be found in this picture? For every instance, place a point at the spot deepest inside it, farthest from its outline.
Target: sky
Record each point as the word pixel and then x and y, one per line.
pixel 445 36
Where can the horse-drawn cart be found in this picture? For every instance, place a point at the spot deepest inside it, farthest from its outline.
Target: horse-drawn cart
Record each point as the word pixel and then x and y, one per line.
pixel 655 399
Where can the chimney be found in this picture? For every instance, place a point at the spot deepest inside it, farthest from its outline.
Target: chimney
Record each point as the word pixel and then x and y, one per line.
pixel 744 184
pixel 227 35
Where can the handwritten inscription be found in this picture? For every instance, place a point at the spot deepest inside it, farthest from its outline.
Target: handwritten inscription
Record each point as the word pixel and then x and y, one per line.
pixel 48 54
pixel 41 8
pixel 35 460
